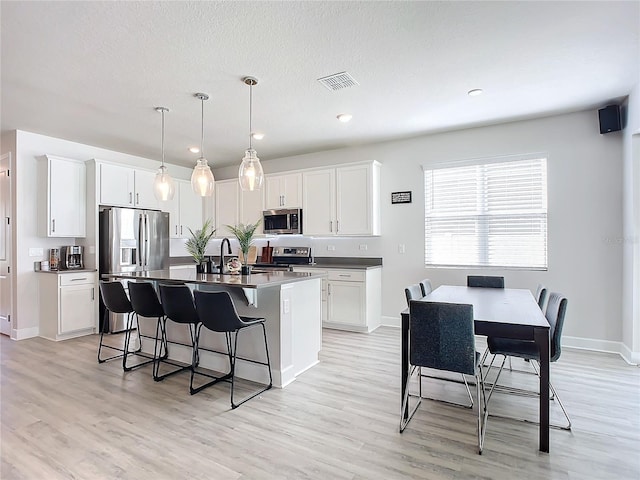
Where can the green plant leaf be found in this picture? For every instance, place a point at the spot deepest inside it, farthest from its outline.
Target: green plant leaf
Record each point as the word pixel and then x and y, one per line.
pixel 244 234
pixel 196 245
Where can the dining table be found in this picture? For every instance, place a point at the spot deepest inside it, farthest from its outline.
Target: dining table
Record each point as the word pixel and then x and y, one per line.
pixel 498 312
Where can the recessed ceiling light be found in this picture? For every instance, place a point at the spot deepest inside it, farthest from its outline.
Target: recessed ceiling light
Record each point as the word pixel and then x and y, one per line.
pixel 344 117
pixel 475 92
pixel 257 136
pixel 194 149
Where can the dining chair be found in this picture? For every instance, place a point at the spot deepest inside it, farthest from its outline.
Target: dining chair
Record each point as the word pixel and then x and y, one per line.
pixel 413 292
pixel 425 286
pixel 525 349
pixel 441 337
pixel 217 313
pixel 541 296
pixel 485 281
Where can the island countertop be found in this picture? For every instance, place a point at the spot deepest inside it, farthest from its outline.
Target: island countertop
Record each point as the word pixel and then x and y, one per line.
pixel 255 280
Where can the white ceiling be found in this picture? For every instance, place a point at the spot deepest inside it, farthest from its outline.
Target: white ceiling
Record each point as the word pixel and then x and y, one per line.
pixel 92 72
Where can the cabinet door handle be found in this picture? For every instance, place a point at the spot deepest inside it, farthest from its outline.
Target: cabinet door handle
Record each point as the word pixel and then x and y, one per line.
pixel 331 225
pixel 176 229
pixel 328 289
pixel 78 279
pixel 53 225
pixel 92 293
pixel 344 275
pixel 180 229
pixel 337 226
pixel 137 199
pixel 130 197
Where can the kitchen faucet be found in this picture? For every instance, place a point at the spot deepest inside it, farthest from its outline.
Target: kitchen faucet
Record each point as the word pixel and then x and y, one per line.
pixel 222 253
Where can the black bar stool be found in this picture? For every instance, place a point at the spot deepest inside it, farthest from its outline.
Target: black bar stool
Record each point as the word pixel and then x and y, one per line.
pixel 177 303
pixel 115 300
pixel 218 314
pixel 145 303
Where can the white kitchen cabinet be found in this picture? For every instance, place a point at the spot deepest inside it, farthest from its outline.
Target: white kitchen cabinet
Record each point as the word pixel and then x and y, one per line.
pixel 68 304
pixel 234 206
pixel 63 202
pixel 283 191
pixel 185 210
pixel 342 201
pixel 122 186
pixel 227 206
pixel 351 298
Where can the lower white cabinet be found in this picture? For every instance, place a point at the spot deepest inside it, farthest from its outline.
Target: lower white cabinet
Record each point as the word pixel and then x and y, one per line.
pixel 351 298
pixel 68 304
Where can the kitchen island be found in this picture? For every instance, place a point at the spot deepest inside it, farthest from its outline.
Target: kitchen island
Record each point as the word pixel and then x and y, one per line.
pixel 291 303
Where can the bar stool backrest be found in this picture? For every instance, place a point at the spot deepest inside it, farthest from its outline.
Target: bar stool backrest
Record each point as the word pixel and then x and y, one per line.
pixel 177 303
pixel 485 281
pixel 145 300
pixel 217 312
pixel 115 298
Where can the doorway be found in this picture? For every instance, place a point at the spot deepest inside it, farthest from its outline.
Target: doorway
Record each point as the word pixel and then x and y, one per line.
pixel 5 245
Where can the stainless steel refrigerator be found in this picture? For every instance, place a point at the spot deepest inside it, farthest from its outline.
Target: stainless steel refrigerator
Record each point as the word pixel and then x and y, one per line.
pixel 131 240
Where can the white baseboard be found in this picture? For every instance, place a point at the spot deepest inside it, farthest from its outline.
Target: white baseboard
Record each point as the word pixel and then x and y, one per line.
pixel 594 345
pixel 24 333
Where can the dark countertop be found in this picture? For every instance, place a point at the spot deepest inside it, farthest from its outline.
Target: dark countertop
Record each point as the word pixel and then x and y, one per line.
pixel 356 263
pixel 255 280
pixel 77 270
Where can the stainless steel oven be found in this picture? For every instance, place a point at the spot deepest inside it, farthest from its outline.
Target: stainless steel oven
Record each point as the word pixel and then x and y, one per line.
pixel 282 221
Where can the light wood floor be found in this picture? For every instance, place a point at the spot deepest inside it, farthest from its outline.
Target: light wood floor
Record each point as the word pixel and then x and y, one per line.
pixel 65 416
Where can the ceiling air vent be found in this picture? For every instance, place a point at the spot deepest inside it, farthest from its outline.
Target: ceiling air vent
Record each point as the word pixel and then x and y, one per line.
pixel 338 81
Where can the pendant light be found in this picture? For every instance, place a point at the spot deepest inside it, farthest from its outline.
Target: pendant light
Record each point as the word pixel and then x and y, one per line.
pixel 202 177
pixel 163 186
pixel 250 174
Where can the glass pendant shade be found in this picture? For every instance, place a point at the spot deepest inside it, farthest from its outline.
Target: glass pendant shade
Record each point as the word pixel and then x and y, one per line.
pixel 250 174
pixel 163 186
pixel 202 178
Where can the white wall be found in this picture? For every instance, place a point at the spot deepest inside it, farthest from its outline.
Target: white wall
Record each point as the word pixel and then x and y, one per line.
pixel 585 214
pixel 28 147
pixel 630 239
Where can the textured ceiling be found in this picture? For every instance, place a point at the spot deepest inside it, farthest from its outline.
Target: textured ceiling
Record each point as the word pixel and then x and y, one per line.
pixel 92 72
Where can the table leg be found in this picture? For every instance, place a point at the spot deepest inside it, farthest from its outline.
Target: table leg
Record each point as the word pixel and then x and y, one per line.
pixel 541 337
pixel 405 361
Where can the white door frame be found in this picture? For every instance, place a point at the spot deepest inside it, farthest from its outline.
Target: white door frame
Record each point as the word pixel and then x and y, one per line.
pixel 7 269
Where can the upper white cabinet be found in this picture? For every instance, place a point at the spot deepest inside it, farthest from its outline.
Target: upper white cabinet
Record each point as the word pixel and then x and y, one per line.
pixel 123 186
pixel 185 210
pixel 343 200
pixel 283 191
pixel 233 206
pixel 227 206
pixel 62 183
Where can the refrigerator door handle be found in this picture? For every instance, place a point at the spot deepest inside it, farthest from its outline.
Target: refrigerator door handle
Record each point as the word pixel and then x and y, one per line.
pixel 140 240
pixel 147 236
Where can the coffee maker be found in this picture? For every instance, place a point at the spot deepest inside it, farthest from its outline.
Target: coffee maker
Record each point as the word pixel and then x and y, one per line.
pixel 71 257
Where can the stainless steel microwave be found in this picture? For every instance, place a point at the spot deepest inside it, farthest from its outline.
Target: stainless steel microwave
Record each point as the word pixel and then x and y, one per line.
pixel 282 221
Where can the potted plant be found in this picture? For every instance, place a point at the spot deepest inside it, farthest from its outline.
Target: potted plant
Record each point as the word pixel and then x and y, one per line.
pixel 244 234
pixel 197 244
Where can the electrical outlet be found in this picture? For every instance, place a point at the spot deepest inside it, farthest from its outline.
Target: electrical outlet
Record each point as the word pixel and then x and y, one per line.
pixel 331 248
pixel 363 246
pixel 36 252
pixel 401 248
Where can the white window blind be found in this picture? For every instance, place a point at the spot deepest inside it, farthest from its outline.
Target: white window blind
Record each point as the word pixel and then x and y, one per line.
pixel 487 215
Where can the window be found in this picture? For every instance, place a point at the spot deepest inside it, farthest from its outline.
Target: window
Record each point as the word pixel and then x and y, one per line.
pixel 492 214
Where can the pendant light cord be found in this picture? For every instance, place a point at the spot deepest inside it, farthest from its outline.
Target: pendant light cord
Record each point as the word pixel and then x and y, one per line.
pixel 162 141
pixel 202 129
pixel 250 116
